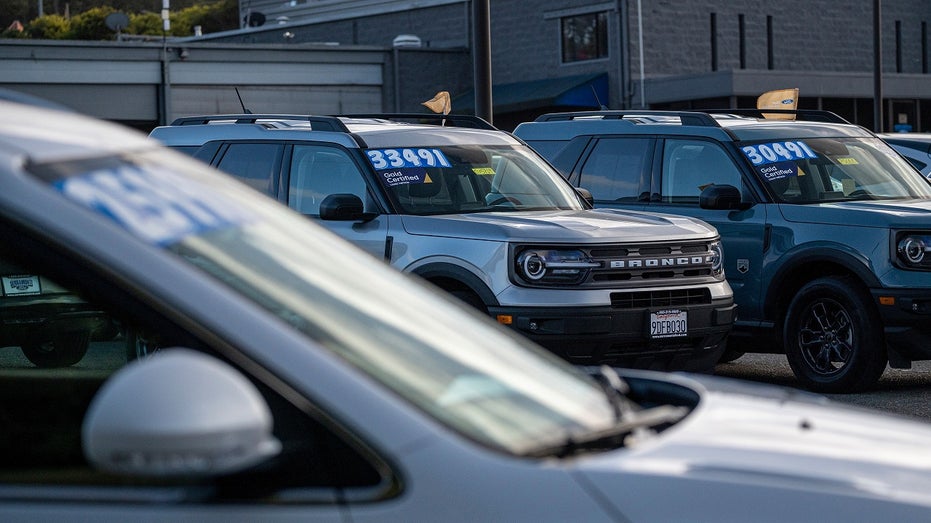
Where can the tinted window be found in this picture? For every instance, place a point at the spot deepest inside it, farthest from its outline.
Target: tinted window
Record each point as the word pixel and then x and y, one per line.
pixel 691 165
pixel 255 164
pixel 616 170
pixel 319 171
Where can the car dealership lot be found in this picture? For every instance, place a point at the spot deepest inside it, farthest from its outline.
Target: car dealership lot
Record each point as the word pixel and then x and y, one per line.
pixel 304 380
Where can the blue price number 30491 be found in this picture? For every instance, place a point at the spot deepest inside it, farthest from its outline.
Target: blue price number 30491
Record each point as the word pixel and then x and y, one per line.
pixel 778 152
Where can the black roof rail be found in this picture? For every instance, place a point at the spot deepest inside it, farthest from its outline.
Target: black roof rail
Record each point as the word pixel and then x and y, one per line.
pixel 808 115
pixel 317 123
pixel 699 119
pixel 454 120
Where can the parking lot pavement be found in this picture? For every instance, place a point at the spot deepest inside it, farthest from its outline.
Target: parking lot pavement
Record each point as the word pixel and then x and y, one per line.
pixel 899 391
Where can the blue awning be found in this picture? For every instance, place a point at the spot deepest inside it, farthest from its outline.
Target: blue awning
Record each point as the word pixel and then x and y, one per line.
pixel 582 91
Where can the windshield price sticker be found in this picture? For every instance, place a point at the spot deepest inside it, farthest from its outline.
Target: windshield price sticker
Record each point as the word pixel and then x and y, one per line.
pixel 778 171
pixel 406 158
pixel 160 208
pixel 395 177
pixel 764 153
pixel 669 323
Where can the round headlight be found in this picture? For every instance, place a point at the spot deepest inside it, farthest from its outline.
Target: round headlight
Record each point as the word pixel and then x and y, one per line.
pixel 912 249
pixel 717 257
pixel 533 265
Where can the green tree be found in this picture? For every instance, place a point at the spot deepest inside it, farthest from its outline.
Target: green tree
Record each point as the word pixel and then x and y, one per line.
pixel 49 27
pixel 90 25
pixel 145 24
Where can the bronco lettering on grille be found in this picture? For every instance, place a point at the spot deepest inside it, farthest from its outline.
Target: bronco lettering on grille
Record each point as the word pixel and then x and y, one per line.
pixel 649 263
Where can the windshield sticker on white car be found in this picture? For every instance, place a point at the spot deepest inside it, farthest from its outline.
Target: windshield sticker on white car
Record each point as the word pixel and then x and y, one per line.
pixel 161 207
pixel 484 171
pixel 764 153
pixel 395 177
pixel 779 171
pixel 405 158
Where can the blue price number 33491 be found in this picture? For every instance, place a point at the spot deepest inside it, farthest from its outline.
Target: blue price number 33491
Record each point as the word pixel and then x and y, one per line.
pixel 399 158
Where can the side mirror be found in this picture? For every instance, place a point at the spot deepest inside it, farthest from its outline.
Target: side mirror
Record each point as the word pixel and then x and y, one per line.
pixel 586 195
pixel 343 207
pixel 722 197
pixel 178 412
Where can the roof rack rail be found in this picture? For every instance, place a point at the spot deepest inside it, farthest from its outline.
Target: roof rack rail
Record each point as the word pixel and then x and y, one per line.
pixel 808 115
pixel 685 117
pixel 455 120
pixel 317 123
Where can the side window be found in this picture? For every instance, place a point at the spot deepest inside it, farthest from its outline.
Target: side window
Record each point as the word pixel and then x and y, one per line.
pixel 256 164
pixel 617 169
pixel 691 165
pixel 62 340
pixel 318 171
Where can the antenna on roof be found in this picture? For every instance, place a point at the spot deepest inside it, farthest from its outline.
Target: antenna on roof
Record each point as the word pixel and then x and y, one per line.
pixel 601 106
pixel 244 110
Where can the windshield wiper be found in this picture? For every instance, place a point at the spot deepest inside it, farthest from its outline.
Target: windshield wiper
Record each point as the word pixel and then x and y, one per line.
pixel 632 423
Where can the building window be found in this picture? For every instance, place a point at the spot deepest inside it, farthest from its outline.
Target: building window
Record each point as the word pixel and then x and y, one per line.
pixel 584 37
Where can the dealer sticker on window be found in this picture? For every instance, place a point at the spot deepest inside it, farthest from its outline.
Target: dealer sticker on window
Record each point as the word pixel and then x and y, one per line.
pixel 21 285
pixel 763 153
pixel 669 323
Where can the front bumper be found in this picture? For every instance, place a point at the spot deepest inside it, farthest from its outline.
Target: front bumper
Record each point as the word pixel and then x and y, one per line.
pixel 621 336
pixel 906 323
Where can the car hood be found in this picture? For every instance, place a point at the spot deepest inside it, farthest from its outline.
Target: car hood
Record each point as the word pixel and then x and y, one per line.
pixel 784 446
pixel 886 213
pixel 588 226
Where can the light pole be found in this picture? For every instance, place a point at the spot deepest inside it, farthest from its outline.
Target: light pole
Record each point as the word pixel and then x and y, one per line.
pixel 877 68
pixel 481 59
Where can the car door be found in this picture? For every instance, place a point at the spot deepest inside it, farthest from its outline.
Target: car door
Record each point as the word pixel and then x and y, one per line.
pixel 317 170
pixel 667 175
pixel 688 165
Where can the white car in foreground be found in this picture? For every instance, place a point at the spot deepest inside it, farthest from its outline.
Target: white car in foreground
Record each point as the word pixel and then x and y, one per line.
pixel 279 380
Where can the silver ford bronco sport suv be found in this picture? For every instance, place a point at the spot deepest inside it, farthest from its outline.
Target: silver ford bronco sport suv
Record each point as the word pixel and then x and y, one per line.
pixel 478 213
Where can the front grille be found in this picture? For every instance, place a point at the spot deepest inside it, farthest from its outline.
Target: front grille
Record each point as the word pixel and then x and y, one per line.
pixel 660 298
pixel 634 264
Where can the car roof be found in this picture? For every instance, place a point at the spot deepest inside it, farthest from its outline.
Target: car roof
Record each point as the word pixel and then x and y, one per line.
pixel 365 131
pixel 722 124
pixel 918 141
pixel 44 134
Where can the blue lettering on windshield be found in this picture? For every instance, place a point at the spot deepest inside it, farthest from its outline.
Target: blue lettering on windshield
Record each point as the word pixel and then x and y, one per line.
pixel 159 207
pixel 764 153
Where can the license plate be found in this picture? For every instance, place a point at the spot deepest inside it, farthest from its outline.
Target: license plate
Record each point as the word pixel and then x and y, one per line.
pixel 669 323
pixel 21 285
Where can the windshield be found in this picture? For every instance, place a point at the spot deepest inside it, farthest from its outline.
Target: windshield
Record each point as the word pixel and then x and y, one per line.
pixel 463 370
pixel 470 178
pixel 816 170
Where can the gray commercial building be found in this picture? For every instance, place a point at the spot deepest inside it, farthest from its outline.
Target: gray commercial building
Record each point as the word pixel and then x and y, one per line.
pixel 389 55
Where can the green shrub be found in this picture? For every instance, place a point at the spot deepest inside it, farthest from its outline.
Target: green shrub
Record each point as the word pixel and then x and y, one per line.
pixel 49 27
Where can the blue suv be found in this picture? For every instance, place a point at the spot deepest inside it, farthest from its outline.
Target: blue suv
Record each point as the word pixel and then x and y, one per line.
pixel 826 229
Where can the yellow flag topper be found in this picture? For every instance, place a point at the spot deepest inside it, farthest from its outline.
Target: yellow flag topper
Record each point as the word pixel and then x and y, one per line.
pixel 439 103
pixel 778 99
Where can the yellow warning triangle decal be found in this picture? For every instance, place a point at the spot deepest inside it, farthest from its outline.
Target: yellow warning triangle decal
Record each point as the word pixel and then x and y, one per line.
pixel 427 179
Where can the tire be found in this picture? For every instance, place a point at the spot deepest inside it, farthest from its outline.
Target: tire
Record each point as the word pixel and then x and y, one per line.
pixel 833 336
pixel 64 349
pixel 471 299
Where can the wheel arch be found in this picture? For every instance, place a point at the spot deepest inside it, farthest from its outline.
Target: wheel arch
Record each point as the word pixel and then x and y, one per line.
pixel 450 278
pixel 807 265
